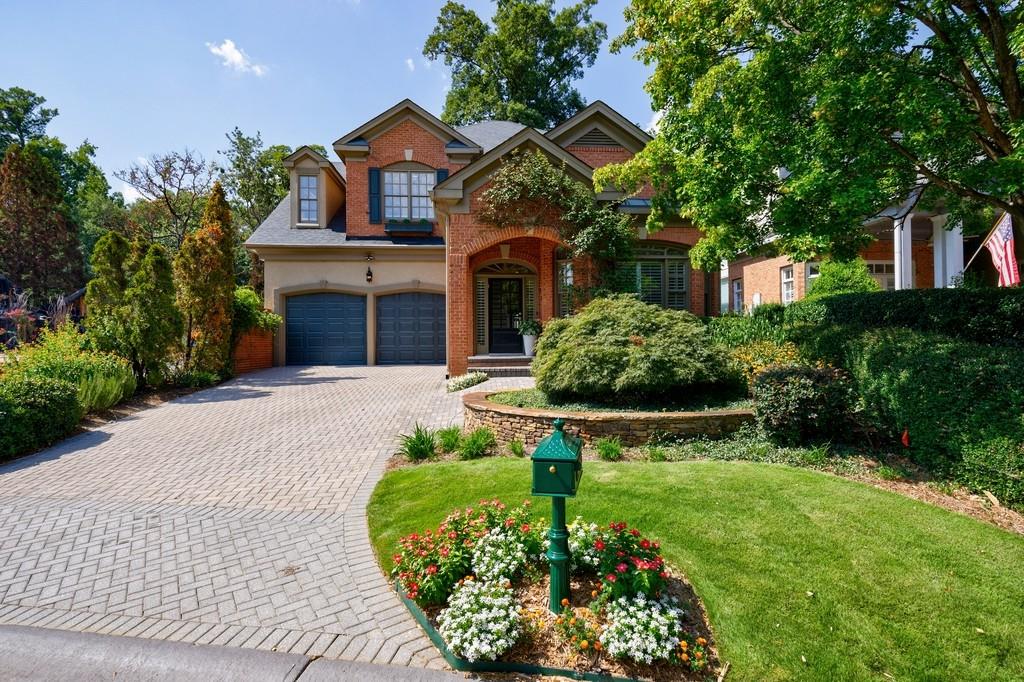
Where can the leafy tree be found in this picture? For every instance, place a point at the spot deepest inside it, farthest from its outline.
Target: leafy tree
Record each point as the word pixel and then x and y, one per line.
pixel 131 305
pixel 522 68
pixel 204 275
pixel 22 117
pixel 255 178
pixel 802 118
pixel 529 190
pixel 38 243
pixel 174 187
pixel 842 277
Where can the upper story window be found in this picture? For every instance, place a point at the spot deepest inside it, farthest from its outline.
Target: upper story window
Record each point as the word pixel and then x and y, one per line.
pixel 308 199
pixel 407 195
pixel 662 276
pixel 788 287
pixel 811 272
pixel 737 295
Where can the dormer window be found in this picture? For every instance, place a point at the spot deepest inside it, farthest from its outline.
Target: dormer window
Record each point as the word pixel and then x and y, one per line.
pixel 308 199
pixel 407 195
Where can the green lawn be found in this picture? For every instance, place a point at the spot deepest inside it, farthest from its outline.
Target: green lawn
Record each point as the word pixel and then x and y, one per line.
pixel 899 587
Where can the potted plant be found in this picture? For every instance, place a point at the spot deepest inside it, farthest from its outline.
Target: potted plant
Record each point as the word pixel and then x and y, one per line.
pixel 529 330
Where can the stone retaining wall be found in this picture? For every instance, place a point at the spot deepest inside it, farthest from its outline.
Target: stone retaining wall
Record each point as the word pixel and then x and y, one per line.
pixel 634 428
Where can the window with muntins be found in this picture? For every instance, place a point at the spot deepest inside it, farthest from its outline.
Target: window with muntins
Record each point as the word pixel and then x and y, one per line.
pixel 812 270
pixel 788 284
pixel 737 295
pixel 565 287
pixel 407 195
pixel 883 272
pixel 308 199
pixel 662 276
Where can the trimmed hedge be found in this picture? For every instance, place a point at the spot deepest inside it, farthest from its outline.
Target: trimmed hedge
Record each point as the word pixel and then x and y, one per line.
pixel 35 412
pixel 995 465
pixel 620 348
pixel 948 393
pixel 988 316
pixel 800 404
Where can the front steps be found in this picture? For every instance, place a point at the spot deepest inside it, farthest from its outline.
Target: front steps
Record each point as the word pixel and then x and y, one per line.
pixel 501 365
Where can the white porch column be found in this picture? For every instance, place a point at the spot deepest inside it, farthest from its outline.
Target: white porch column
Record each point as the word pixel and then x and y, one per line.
pixel 954 253
pixel 902 252
pixel 939 251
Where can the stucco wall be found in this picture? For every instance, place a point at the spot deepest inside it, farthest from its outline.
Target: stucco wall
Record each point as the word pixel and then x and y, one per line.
pixel 345 272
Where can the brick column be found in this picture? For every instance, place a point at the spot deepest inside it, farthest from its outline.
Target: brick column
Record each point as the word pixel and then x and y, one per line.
pixel 460 313
pixel 546 280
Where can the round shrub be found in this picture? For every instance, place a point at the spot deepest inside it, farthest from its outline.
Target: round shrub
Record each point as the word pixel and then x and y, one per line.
pixel 621 348
pixel 995 465
pixel 842 277
pixel 754 357
pixel 798 404
pixel 35 412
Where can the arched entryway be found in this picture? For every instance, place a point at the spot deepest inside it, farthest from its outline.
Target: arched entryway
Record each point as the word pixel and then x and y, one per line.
pixel 505 294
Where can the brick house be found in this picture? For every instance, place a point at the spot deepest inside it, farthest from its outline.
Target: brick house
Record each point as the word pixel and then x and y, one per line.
pixel 911 250
pixel 381 258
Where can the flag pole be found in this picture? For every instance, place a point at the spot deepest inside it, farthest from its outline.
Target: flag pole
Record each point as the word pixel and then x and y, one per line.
pixel 987 237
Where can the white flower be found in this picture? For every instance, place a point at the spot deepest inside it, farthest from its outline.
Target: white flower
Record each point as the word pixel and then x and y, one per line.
pixel 642 629
pixel 481 620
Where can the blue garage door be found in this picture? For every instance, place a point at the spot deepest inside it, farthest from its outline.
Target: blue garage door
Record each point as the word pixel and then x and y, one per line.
pixel 325 329
pixel 410 329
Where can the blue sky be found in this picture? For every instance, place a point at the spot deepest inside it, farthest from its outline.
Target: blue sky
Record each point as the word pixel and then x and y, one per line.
pixel 138 78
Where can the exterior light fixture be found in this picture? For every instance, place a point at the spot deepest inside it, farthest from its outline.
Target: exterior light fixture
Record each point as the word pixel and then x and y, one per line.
pixel 369 275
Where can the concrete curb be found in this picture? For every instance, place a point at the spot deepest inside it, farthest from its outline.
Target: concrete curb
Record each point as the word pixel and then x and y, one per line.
pixel 38 654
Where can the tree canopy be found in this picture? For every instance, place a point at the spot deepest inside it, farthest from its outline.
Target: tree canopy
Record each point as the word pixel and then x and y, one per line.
pixel 795 121
pixel 521 69
pixel 22 116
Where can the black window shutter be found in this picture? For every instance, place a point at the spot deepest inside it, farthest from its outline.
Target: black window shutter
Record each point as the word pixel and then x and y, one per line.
pixel 442 175
pixel 375 212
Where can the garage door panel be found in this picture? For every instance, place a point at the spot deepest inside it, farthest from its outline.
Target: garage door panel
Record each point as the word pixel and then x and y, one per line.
pixel 325 329
pixel 410 329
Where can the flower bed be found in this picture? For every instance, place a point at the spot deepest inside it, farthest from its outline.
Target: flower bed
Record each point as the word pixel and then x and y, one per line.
pixel 479 584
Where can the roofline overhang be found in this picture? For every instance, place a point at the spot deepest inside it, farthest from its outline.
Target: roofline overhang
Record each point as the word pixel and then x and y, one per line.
pixel 596 108
pixel 346 145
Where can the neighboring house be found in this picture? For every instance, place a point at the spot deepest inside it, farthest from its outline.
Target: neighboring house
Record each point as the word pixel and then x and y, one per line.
pixel 912 250
pixel 382 258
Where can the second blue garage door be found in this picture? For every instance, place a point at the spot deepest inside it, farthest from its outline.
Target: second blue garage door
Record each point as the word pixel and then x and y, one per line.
pixel 410 329
pixel 325 329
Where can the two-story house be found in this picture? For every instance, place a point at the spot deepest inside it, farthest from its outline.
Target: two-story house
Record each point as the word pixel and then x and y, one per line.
pixel 381 257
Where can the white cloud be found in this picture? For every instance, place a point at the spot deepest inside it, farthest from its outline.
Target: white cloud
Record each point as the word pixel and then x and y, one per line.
pixel 655 122
pixel 235 58
pixel 410 64
pixel 129 193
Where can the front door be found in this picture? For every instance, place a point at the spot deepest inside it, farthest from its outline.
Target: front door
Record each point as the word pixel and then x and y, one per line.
pixel 505 304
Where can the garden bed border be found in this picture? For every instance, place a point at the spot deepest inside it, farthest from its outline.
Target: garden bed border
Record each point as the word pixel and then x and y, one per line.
pixel 530 425
pixel 462 665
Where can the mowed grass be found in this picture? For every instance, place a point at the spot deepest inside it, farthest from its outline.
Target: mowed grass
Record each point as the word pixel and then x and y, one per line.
pixel 804 575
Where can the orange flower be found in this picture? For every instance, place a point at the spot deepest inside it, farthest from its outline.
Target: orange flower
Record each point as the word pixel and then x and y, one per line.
pixel 572 621
pixel 685 657
pixel 593 593
pixel 597 645
pixel 701 641
pixel 565 601
pixel 584 644
pixel 699 655
pixel 683 644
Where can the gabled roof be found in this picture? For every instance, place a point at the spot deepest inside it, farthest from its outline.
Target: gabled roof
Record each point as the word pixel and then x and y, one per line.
pixel 489 134
pixel 454 188
pixel 305 151
pixel 606 121
pixel 358 140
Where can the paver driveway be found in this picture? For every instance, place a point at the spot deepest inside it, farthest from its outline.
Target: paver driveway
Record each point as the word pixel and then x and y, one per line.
pixel 232 516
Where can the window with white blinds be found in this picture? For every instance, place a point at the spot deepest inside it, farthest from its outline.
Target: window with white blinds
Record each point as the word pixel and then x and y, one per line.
pixel 662 276
pixel 481 311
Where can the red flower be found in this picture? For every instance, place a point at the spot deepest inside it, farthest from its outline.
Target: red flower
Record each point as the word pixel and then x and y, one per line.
pixel 610 577
pixel 509 522
pixel 444 551
pixel 431 569
pixel 452 535
pixel 634 532
pixel 622 568
pixel 525 528
pixel 620 554
pixel 599 545
pixel 645 543
pixel 663 575
pixel 397 558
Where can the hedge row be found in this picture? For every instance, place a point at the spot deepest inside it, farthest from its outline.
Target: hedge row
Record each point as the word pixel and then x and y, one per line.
pixel 989 316
pixel 35 412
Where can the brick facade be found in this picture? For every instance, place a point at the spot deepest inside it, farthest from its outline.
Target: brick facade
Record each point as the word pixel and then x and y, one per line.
pixel 253 351
pixel 385 150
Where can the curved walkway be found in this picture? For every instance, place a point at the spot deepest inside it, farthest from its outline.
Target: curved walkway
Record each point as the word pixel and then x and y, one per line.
pixel 233 516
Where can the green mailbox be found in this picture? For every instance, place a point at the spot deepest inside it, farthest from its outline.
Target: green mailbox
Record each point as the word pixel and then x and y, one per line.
pixel 557 464
pixel 557 467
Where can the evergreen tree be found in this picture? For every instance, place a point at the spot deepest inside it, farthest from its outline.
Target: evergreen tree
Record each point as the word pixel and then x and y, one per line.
pixel 204 275
pixel 131 305
pixel 38 243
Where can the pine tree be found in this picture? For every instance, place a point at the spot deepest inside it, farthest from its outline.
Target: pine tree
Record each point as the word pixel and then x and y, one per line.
pixel 204 275
pixel 38 243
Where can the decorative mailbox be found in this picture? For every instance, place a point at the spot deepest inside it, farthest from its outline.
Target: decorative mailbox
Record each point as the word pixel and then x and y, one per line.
pixel 557 464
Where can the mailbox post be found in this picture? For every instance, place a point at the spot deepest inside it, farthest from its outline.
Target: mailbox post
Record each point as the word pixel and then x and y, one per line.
pixel 557 468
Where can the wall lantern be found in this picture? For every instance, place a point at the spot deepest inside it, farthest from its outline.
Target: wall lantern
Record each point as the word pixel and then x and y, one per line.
pixel 557 468
pixel 369 275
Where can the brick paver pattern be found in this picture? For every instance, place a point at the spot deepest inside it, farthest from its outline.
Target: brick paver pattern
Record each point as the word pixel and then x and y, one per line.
pixel 233 516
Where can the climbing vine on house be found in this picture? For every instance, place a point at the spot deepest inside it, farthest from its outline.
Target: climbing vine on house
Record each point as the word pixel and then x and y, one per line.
pixel 529 190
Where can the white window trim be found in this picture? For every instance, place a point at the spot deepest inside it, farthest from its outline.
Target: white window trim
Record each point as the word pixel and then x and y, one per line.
pixel 808 277
pixel 783 281
pixel 316 200
pixel 409 196
pixel 737 295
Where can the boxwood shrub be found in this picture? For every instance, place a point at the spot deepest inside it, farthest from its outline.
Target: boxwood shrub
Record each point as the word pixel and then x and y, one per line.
pixel 800 404
pixel 947 393
pixel 621 348
pixel 35 412
pixel 995 465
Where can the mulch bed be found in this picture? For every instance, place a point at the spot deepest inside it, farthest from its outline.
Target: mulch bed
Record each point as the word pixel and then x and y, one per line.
pixel 542 645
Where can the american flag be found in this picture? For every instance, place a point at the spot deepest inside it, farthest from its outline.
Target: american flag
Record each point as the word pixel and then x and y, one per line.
pixel 1000 245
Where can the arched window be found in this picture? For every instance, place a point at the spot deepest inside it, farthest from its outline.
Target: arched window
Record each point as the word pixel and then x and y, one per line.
pixel 662 275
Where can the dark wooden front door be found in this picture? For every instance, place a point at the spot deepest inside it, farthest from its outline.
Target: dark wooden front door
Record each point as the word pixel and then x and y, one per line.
pixel 505 304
